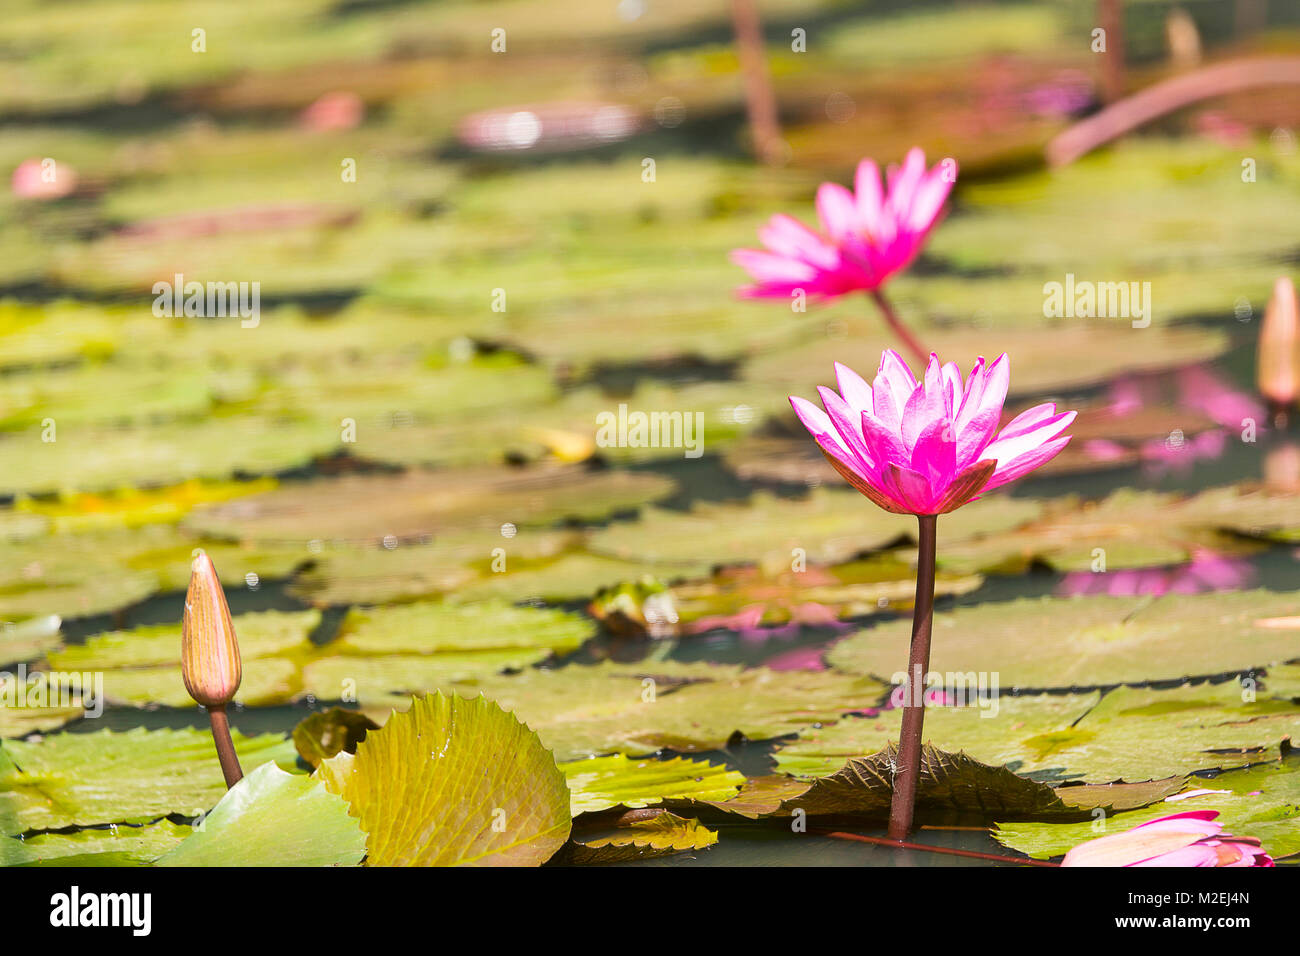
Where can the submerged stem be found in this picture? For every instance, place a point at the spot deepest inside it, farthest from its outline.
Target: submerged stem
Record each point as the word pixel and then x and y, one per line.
pixel 909 741
pixel 901 330
pixel 225 746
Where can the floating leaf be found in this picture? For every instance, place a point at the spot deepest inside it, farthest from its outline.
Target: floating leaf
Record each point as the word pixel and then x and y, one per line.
pixel 273 818
pixel 602 783
pixel 998 730
pixel 579 711
pixel 1262 802
pixel 1088 641
pixel 662 835
pixel 431 627
pixel 138 668
pixel 89 779
pixel 947 782
pixel 453 782
pixel 29 639
pixel 116 845
pixel 417 504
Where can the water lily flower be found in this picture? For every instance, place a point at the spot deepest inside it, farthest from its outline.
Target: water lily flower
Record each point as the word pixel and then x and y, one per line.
pixel 1278 363
pixel 866 237
pixel 210 663
pixel 925 448
pixel 1193 838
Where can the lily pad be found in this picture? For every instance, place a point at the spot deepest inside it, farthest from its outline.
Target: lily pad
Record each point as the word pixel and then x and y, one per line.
pixel 29 639
pixel 602 783
pixel 1262 801
pixel 1089 641
pixel 105 777
pixel 827 527
pixel 141 667
pixel 417 504
pixel 580 711
pixel 955 782
pixel 661 835
pixel 273 818
pixel 116 845
pixel 453 782
pixel 994 732
pixel 432 627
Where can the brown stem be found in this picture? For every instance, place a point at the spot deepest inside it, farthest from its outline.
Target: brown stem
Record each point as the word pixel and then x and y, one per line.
pixel 760 102
pixel 225 746
pixel 903 845
pixel 895 323
pixel 1169 95
pixel 909 741
pixel 1111 14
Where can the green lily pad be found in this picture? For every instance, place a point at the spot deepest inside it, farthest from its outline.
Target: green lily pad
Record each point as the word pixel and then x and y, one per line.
pixel 141 667
pixel 1139 733
pixel 273 818
pixel 29 639
pixel 1262 801
pixel 416 504
pixel 602 783
pixel 97 457
pixel 661 835
pixel 453 782
pixel 1128 529
pixel 828 527
pixel 580 711
pixel 115 845
pixel 1089 641
pixel 952 782
pixel 994 735
pixel 569 577
pixel 433 627
pixel 69 780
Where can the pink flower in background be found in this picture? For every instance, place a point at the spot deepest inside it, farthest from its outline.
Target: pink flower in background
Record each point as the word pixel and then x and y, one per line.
pixel 42 179
pixel 333 111
pixel 865 237
pixel 1182 839
pixel 929 447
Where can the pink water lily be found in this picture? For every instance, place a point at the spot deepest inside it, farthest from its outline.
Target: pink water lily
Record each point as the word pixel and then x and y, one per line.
pixel 865 237
pixel 927 447
pixel 1194 838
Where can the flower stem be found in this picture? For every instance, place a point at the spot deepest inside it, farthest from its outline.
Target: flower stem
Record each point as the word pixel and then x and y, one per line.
pixel 895 323
pixel 899 844
pixel 225 746
pixel 909 741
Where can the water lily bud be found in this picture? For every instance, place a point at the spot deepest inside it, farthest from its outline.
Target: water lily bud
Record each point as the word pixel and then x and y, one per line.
pixel 210 660
pixel 1279 346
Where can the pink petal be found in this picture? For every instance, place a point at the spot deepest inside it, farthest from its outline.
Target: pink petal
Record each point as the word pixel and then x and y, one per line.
pixel 855 391
pixel 1018 467
pixel 835 208
pixel 847 424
